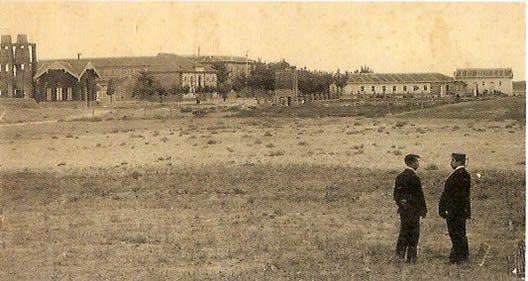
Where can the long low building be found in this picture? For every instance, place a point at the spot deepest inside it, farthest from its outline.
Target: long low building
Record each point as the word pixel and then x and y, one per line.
pixel 168 69
pixel 482 81
pixel 399 84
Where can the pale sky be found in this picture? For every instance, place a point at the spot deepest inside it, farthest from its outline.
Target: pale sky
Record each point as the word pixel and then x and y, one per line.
pixel 388 37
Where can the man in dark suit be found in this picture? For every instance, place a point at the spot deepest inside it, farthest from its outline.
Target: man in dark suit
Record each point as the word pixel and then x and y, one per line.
pixel 455 207
pixel 410 199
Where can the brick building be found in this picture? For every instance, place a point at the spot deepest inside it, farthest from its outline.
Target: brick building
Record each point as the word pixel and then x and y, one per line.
pixel 168 69
pixel 399 84
pixel 236 66
pixel 65 81
pixel 486 80
pixel 18 63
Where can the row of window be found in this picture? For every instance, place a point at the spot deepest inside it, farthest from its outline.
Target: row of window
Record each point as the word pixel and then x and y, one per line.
pixel 207 78
pixel 6 67
pixel 395 88
pixel 491 83
pixel 21 47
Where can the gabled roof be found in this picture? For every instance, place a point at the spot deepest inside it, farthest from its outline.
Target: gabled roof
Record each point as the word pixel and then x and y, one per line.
pixel 461 73
pixel 357 78
pixel 74 68
pixel 160 63
pixel 224 59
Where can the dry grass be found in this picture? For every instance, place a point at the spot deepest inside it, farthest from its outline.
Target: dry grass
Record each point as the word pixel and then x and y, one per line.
pixel 240 223
pixel 120 200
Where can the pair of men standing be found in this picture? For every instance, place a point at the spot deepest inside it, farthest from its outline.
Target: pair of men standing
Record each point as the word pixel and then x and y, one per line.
pixel 454 207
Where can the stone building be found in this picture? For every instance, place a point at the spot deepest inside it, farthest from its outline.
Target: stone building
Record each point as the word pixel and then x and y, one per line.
pixel 481 81
pixel 168 69
pixel 65 81
pixel 398 85
pixel 18 63
pixel 236 66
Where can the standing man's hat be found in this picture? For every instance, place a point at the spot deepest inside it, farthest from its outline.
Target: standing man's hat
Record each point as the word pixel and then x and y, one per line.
pixel 458 156
pixel 411 157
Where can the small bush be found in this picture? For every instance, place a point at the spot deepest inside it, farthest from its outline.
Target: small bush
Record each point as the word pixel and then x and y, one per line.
pixel 211 141
pixel 431 167
pixel 270 145
pixel 186 109
pixel 276 153
pixel 400 124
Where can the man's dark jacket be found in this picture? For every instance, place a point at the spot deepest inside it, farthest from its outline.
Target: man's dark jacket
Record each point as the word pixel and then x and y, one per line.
pixel 408 193
pixel 455 199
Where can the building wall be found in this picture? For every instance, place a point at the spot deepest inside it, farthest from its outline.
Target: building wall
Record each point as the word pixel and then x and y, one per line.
pixel 198 79
pixel 399 89
pixel 108 72
pixel 57 85
pixel 17 67
pixel 501 84
pixel 388 89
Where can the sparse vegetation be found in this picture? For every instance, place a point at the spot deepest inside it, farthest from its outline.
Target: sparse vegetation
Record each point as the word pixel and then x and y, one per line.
pixel 323 226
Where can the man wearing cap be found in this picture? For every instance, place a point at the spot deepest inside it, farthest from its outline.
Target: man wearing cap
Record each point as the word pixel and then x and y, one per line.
pixel 410 199
pixel 455 207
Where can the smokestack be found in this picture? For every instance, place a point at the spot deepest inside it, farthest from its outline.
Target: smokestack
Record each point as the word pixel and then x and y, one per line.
pixel 6 39
pixel 22 39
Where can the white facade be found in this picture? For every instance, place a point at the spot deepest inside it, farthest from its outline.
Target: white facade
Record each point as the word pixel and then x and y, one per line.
pixel 387 89
pixel 490 85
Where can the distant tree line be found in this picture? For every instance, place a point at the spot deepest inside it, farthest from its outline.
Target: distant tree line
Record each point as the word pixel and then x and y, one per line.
pixel 261 77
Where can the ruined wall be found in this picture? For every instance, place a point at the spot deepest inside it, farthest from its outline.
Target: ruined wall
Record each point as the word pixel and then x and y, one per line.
pixel 17 67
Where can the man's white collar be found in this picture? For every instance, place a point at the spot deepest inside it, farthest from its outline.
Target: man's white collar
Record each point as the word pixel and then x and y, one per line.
pixel 410 168
pixel 460 167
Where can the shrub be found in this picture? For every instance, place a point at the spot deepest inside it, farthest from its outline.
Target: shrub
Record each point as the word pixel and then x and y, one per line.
pixel 400 124
pixel 431 167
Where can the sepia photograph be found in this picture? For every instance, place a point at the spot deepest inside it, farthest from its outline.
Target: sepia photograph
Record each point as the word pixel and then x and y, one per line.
pixel 313 141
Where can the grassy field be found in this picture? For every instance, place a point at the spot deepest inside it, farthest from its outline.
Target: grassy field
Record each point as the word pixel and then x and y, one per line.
pixel 261 222
pixel 197 196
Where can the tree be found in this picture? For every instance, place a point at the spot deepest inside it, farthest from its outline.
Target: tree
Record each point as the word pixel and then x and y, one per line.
pixel 239 83
pixel 110 89
pixel 144 87
pixel 262 77
pixel 222 74
pixel 364 69
pixel 340 81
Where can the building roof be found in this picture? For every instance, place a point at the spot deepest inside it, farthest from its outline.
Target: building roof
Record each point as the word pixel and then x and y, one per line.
pixel 462 73
pixel 160 63
pixel 74 68
pixel 519 86
pixel 224 59
pixel 357 78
